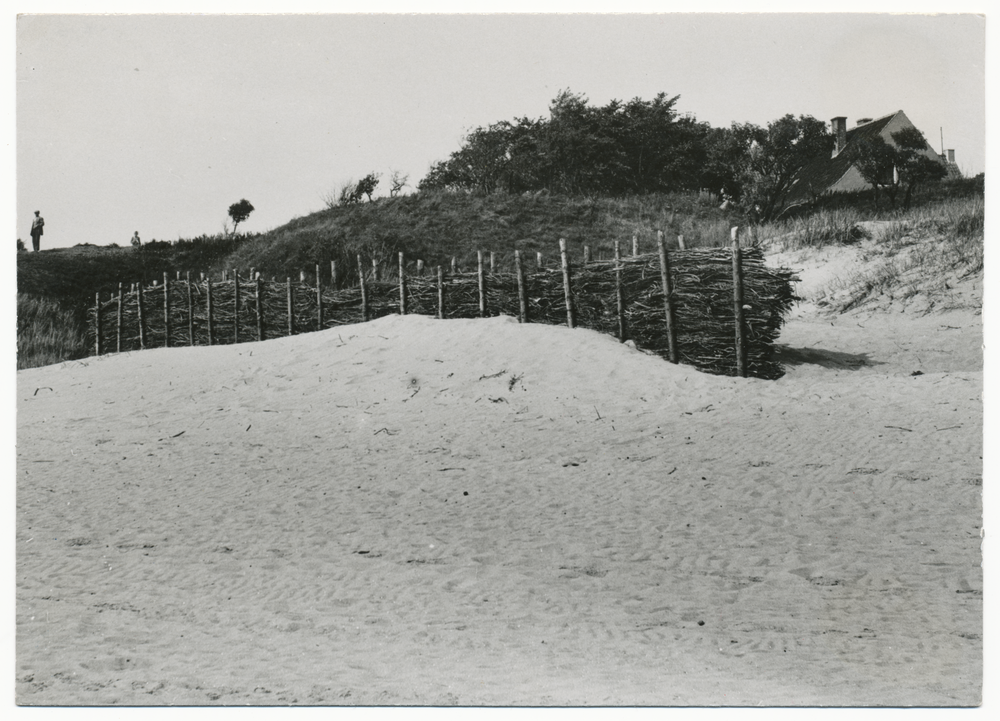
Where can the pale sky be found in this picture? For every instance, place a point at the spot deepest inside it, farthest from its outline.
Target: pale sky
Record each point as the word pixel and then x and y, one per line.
pixel 158 123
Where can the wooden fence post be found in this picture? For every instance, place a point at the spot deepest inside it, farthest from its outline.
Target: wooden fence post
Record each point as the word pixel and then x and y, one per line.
pixel 302 277
pixel 668 301
pixel 619 292
pixel 538 259
pixel 440 293
pixel 364 292
pixel 635 245
pixel 482 287
pixel 522 290
pixel 493 264
pixel 567 288
pixel 208 309
pixel 402 283
pixel 420 268
pixel 260 308
pixel 142 320
pixel 680 242
pixel 374 270
pixel 166 310
pixel 586 254
pixel 97 323
pixel 236 306
pixel 319 300
pixel 121 313
pixel 454 265
pixel 741 361
pixel 333 274
pixel 290 306
pixel 190 300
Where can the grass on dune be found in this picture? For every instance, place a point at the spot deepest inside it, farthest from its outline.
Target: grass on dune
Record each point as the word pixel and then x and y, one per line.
pixel 48 332
pixel 438 226
pixel 924 251
pixel 953 207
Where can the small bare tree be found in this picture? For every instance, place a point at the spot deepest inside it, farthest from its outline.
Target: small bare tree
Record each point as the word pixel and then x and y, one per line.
pixel 341 195
pixel 398 180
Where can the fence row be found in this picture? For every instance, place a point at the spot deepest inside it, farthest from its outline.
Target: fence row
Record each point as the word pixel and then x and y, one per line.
pixel 717 309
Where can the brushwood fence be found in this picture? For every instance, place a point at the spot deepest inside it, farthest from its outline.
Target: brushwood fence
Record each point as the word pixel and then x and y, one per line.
pixel 717 309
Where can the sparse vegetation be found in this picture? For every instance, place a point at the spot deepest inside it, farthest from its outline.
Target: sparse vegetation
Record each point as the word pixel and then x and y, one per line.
pixel 926 251
pixel 953 206
pixel 56 287
pixel 48 332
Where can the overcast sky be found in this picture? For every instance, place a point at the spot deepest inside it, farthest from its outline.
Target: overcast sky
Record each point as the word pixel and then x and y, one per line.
pixel 158 123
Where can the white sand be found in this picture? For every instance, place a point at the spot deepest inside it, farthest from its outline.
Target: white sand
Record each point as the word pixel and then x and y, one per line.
pixel 414 511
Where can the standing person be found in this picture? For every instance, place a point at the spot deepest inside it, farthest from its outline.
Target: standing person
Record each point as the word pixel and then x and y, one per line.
pixel 36 230
pixel 136 243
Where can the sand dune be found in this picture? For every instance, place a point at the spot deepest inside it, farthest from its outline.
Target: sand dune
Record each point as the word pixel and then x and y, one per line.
pixel 413 511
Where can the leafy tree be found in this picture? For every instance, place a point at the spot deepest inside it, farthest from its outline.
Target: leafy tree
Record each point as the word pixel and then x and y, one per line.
pixel 239 212
pixel 366 186
pixel 773 158
pixel 621 148
pixel 726 152
pixel 914 165
pixel 876 160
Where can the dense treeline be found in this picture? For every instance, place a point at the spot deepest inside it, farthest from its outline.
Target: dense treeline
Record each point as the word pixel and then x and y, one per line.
pixel 620 149
pixel 634 148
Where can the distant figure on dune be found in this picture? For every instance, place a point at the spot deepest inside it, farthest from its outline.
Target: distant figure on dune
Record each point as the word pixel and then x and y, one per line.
pixel 36 231
pixel 136 243
pixel 20 245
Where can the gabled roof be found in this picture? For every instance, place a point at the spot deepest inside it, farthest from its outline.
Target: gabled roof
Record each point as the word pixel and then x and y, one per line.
pixel 824 171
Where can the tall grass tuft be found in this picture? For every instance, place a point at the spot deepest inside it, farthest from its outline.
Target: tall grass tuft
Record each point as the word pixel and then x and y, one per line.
pixel 920 252
pixel 825 227
pixel 48 332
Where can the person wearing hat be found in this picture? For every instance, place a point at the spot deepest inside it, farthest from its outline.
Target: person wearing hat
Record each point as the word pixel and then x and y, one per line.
pixel 36 231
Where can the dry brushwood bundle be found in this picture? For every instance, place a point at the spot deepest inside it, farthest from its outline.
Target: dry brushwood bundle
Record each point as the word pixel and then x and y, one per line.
pixel 701 291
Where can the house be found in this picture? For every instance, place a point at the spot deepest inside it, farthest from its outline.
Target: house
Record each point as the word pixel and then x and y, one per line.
pixel 835 173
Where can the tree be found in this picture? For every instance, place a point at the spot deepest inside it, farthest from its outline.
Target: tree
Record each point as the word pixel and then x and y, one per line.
pixel 239 212
pixel 773 158
pixel 618 149
pixel 913 164
pixel 366 186
pixel 876 160
pixel 398 180
pixel 348 193
pixel 726 152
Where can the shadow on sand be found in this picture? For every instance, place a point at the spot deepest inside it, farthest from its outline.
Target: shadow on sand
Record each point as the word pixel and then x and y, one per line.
pixel 824 358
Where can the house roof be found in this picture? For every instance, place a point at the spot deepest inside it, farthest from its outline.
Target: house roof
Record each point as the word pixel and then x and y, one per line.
pixel 824 171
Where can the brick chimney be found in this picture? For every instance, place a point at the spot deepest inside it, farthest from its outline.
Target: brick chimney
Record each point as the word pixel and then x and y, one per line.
pixel 951 155
pixel 838 126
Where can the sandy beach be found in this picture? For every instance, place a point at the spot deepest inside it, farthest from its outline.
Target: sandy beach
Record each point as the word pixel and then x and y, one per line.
pixel 478 512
